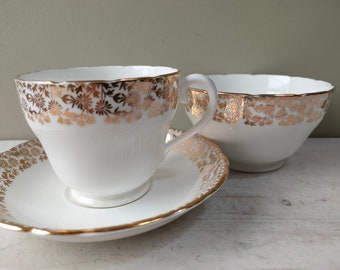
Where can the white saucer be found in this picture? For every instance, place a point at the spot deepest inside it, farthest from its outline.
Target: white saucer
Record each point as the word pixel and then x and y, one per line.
pixel 32 198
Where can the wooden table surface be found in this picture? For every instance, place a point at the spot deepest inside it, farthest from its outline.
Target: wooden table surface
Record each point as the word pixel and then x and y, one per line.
pixel 286 219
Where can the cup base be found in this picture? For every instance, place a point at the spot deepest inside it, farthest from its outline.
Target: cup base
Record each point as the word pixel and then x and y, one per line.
pixel 260 167
pixel 87 200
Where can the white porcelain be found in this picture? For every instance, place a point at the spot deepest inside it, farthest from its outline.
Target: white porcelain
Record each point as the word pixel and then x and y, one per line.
pixel 104 128
pixel 261 120
pixel 32 197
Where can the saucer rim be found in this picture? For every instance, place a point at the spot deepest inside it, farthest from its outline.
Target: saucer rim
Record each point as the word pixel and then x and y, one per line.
pixel 172 214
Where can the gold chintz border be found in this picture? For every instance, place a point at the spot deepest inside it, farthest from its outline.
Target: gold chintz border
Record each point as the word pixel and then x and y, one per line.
pixel 110 102
pixel 206 155
pixel 12 162
pixel 262 110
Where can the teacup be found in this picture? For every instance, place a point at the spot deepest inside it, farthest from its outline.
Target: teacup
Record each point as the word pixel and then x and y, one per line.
pixel 261 120
pixel 104 128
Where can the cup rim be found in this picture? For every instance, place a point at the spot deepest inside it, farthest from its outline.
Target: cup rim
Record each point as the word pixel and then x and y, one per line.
pixel 175 71
pixel 249 95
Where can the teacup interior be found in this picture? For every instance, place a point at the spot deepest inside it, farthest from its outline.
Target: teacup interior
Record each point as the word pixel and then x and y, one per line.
pixel 268 84
pixel 104 73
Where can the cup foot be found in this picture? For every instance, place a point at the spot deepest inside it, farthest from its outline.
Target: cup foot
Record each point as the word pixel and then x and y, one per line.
pixel 260 167
pixel 87 200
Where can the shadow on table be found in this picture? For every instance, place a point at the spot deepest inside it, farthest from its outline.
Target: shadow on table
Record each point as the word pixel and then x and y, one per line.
pixel 127 249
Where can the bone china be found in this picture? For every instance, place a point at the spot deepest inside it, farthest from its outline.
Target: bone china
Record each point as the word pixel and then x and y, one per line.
pixel 261 120
pixel 104 128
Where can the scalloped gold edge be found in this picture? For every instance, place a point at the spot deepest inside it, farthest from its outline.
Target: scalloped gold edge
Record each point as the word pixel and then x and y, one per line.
pixel 144 78
pixel 245 95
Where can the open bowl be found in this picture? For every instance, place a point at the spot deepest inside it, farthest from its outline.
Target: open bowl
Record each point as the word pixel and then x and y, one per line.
pixel 261 120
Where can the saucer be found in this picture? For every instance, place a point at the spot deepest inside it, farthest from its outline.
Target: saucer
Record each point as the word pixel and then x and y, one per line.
pixel 32 199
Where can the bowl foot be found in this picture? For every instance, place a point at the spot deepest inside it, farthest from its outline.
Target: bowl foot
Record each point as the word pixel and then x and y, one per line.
pixel 257 167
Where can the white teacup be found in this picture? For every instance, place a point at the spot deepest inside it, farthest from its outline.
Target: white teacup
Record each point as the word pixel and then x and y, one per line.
pixel 261 120
pixel 104 128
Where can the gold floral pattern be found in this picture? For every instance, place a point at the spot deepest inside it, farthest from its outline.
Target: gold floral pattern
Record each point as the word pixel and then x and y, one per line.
pixel 207 157
pixel 82 103
pixel 261 110
pixel 14 161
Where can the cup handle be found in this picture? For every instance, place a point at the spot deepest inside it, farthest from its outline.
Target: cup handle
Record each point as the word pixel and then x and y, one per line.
pixel 205 83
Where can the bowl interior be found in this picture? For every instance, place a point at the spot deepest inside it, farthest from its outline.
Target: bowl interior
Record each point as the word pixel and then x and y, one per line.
pixel 268 84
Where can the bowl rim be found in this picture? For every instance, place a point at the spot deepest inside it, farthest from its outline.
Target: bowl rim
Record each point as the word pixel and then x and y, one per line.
pixel 220 93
